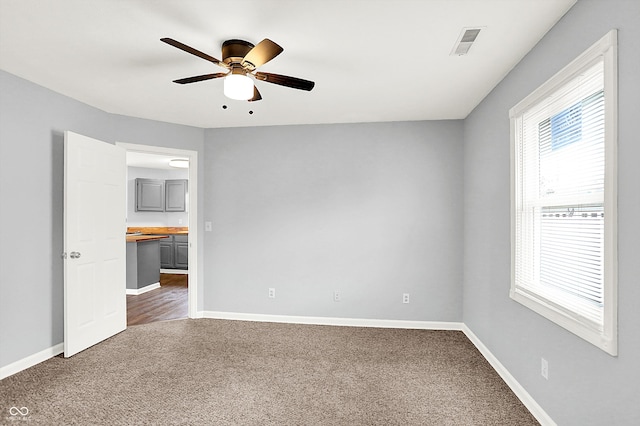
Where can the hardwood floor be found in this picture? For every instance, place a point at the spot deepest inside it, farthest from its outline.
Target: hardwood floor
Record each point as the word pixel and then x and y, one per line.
pixel 165 303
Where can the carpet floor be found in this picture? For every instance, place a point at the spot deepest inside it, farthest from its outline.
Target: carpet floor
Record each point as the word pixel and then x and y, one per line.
pixel 216 372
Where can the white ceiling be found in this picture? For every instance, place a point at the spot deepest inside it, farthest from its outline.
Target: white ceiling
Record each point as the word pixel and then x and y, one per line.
pixel 372 60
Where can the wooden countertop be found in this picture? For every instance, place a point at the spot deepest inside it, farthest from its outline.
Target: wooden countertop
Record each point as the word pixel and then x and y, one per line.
pixel 159 230
pixel 137 238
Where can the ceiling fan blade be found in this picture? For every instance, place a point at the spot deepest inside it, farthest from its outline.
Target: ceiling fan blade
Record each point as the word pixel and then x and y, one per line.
pixel 199 78
pixel 193 51
pixel 256 94
pixel 283 80
pixel 262 53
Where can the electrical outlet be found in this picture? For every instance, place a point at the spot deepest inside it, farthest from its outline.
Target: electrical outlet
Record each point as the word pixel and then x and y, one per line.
pixel 405 298
pixel 544 368
pixel 272 293
pixel 336 295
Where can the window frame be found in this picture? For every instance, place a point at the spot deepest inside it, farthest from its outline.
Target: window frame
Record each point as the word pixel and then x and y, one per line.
pixel 607 338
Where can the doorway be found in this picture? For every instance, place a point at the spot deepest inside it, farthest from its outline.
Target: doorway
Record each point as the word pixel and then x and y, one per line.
pixel 174 284
pixel 168 302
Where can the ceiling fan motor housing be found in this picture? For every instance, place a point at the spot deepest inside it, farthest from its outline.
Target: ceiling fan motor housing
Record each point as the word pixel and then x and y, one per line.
pixel 234 51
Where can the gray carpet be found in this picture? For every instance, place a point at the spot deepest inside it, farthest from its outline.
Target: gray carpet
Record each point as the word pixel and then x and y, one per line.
pixel 214 372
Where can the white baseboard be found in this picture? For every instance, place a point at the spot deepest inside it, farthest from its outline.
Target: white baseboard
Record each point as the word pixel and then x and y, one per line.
pixel 516 387
pixel 138 291
pixel 31 360
pixel 174 271
pixel 348 322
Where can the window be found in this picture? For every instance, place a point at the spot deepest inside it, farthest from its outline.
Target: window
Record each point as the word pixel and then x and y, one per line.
pixel 564 219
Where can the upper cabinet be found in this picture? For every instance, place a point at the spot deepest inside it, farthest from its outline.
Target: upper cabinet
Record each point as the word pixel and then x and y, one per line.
pixel 149 195
pixel 158 195
pixel 175 192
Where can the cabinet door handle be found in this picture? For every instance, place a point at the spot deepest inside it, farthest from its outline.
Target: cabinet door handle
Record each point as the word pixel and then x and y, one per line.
pixel 74 255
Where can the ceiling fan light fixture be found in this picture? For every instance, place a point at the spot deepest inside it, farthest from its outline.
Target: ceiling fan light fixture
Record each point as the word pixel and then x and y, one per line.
pixel 179 163
pixel 238 87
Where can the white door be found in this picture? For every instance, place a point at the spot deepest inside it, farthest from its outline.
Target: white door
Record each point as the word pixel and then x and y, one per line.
pixel 95 304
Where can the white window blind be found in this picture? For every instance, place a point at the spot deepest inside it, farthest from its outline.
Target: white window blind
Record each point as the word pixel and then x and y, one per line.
pixel 560 263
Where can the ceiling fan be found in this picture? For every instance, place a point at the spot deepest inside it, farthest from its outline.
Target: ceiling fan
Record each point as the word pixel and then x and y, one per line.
pixel 241 59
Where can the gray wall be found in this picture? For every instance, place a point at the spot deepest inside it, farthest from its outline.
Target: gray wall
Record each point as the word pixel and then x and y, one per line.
pixel 371 210
pixel 586 386
pixel 32 122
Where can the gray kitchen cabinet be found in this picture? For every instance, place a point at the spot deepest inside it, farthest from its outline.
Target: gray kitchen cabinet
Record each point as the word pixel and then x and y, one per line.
pixel 158 195
pixel 181 251
pixel 175 191
pixel 143 267
pixel 149 195
pixel 166 253
pixel 174 252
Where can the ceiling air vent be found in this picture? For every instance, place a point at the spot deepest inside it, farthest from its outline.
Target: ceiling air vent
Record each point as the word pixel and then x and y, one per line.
pixel 467 38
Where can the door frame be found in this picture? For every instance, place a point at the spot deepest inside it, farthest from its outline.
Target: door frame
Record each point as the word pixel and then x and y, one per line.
pixel 192 298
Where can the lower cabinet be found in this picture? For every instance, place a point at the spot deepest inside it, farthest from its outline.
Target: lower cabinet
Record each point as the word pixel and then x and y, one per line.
pixel 181 251
pixel 143 266
pixel 174 252
pixel 166 253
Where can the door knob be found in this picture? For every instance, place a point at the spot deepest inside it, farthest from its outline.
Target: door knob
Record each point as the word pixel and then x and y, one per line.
pixel 74 255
